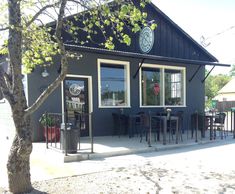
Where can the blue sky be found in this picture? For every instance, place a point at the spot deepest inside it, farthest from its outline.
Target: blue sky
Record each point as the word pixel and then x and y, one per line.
pixel 213 19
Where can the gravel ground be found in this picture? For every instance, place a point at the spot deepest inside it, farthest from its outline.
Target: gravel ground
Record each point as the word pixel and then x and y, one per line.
pixel 138 179
pixel 202 169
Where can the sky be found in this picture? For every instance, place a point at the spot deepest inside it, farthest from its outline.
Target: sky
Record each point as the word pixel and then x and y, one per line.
pixel 212 19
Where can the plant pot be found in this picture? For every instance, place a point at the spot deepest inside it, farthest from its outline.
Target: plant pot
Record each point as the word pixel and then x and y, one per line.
pixel 53 133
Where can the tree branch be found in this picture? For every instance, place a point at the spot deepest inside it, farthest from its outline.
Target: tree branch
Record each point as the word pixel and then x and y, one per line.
pixel 40 12
pixel 64 63
pixel 4 28
pixel 4 90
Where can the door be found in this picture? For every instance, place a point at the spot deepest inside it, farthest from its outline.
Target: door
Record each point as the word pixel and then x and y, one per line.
pixel 76 103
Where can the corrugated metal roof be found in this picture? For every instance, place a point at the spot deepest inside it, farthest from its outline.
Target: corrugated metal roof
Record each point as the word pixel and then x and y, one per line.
pixel 141 56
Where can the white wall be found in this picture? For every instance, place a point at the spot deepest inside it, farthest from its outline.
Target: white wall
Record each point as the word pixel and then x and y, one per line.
pixel 7 127
pixel 225 97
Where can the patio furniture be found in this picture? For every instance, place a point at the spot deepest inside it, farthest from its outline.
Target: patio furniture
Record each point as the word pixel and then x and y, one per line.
pixel 198 123
pixel 218 124
pixel 156 127
pixel 165 120
pixel 120 123
pixel 135 124
pixel 209 119
pixel 151 125
pixel 173 124
pixel 145 125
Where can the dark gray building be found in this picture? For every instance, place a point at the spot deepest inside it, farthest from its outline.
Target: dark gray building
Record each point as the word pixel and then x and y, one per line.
pixel 161 68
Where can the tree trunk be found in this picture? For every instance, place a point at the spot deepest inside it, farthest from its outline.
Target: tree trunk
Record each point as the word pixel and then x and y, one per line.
pixel 18 164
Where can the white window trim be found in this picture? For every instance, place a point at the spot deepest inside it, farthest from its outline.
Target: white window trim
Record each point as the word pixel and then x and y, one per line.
pixel 162 68
pixel 126 65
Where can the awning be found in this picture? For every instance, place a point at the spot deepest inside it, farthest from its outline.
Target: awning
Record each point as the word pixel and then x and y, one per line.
pixel 143 57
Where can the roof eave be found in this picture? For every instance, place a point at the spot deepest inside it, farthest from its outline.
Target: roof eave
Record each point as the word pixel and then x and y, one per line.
pixel 142 56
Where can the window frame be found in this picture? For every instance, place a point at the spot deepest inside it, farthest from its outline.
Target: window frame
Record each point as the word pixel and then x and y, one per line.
pixel 162 78
pixel 126 65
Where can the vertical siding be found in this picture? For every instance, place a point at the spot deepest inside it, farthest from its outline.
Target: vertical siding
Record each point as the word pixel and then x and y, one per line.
pixel 170 41
pixel 102 117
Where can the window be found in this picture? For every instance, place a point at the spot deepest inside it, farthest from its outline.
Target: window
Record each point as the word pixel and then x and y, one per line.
pixel 113 83
pixel 162 85
pixel 173 87
pixel 151 84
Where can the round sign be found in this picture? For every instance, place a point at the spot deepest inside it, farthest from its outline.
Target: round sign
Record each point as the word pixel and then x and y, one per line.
pixel 75 89
pixel 146 39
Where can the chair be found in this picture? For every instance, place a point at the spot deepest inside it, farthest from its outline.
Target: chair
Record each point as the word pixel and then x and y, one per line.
pixel 170 128
pixel 180 115
pixel 218 124
pixel 155 126
pixel 198 122
pixel 120 123
pixel 144 125
pixel 135 124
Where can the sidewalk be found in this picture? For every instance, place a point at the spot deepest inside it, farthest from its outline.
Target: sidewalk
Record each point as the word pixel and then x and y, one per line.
pixel 50 163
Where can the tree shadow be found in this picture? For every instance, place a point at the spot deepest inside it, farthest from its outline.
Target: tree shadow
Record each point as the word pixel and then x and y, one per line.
pixel 35 191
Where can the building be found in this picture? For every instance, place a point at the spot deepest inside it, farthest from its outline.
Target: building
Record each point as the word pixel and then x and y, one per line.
pixel 161 68
pixel 226 96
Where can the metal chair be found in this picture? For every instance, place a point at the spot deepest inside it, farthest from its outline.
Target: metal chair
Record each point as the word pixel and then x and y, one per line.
pixel 180 115
pixel 155 126
pixel 218 124
pixel 135 124
pixel 120 123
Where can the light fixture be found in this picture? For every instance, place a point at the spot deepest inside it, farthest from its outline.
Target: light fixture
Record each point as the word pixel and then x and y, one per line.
pixel 45 73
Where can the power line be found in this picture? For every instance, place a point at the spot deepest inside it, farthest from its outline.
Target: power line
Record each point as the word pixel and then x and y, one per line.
pixel 204 40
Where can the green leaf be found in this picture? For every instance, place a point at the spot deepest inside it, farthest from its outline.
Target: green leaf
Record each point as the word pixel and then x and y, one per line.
pixel 153 26
pixel 127 39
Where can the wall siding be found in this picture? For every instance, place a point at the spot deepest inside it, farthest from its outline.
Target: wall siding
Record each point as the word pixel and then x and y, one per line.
pixel 102 117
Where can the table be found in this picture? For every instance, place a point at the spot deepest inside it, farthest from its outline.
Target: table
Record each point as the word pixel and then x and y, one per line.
pixel 210 118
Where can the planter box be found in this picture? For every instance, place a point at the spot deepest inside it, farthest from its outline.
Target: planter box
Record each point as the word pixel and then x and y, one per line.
pixel 53 133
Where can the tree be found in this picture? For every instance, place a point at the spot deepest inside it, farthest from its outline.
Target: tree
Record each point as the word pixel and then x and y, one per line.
pixel 232 71
pixel 213 84
pixel 31 43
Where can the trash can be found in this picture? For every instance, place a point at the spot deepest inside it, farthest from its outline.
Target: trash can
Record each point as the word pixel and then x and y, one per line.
pixel 72 137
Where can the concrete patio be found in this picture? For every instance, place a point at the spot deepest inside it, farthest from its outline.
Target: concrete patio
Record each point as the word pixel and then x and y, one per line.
pixel 108 146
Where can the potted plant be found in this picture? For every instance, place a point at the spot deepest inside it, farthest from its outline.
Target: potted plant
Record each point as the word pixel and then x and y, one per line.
pixel 49 123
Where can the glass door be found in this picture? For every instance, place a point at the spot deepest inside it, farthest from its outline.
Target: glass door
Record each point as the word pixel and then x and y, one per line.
pixel 76 103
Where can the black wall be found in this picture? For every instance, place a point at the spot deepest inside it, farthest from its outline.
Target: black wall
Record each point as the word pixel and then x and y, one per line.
pixel 170 39
pixel 102 117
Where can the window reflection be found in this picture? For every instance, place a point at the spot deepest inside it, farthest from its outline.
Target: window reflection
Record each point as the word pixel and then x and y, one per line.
pixel 162 86
pixel 113 85
pixel 173 87
pixel 151 86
